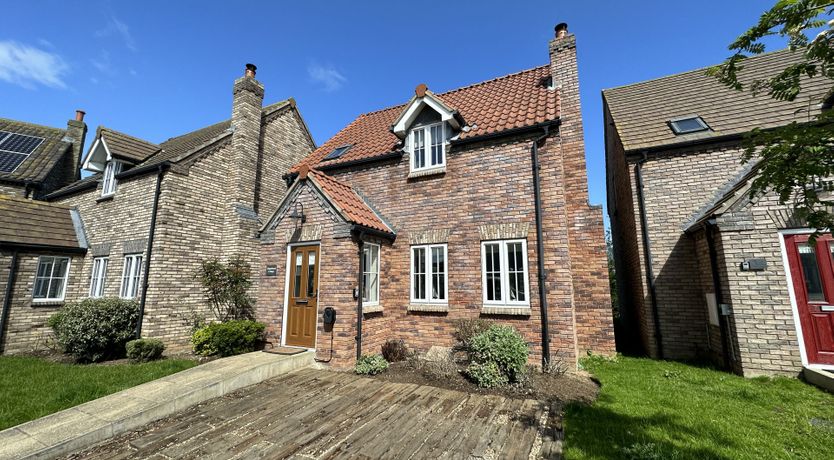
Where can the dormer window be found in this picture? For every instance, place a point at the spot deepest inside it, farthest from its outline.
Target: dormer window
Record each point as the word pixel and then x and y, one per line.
pixel 686 125
pixel 428 147
pixel 109 182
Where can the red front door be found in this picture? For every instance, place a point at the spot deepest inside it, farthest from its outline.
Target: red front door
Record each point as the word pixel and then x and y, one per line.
pixel 812 271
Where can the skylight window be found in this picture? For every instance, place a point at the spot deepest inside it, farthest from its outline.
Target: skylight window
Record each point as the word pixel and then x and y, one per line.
pixel 338 152
pixel 686 125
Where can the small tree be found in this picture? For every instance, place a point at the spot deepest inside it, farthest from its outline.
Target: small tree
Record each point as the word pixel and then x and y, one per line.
pixel 227 288
pixel 797 159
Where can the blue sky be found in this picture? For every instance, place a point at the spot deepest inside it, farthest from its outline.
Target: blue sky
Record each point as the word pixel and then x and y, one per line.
pixel 157 69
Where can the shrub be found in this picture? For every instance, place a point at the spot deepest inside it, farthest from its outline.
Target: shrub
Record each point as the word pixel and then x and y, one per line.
pixel 95 329
pixel 142 350
pixel 487 375
pixel 227 288
pixel 502 346
pixel 371 365
pixel 465 329
pixel 394 350
pixel 229 338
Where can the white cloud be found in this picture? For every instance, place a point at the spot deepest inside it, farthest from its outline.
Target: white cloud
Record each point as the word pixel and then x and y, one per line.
pixel 328 76
pixel 26 66
pixel 116 27
pixel 103 65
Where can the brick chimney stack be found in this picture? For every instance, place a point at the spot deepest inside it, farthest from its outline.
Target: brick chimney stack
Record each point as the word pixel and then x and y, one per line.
pixel 76 133
pixel 247 102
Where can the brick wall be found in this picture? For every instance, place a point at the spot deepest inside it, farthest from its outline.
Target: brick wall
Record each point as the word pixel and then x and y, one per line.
pixel 26 330
pixel 677 183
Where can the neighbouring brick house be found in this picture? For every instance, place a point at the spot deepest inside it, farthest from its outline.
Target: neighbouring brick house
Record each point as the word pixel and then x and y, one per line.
pixel 704 270
pixel 151 213
pixel 431 207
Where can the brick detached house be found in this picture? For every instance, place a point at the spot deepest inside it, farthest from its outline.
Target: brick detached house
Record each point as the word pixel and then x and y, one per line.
pixel 471 203
pixel 703 268
pixel 151 213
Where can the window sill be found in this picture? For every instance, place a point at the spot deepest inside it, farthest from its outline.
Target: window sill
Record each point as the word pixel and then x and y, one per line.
pixel 371 309
pixel 429 307
pixel 105 198
pixel 427 172
pixel 520 310
pixel 47 303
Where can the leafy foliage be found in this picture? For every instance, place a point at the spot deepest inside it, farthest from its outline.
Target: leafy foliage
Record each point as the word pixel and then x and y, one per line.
pixel 371 365
pixel 487 375
pixel 501 346
pixel 143 350
pixel 394 350
pixel 95 329
pixel 227 339
pixel 227 288
pixel 796 160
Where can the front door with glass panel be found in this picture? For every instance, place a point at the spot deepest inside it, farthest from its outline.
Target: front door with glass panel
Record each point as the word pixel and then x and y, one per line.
pixel 302 305
pixel 812 271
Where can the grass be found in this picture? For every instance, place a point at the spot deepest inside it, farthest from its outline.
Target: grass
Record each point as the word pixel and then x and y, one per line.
pixel 32 387
pixel 665 410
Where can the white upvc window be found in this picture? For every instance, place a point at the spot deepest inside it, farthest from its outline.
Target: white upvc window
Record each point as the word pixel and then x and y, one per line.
pixel 428 147
pixel 109 181
pixel 98 275
pixel 429 274
pixel 51 278
pixel 370 274
pixel 505 277
pixel 131 276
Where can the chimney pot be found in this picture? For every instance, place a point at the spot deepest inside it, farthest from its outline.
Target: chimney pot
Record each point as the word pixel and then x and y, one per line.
pixel 561 30
pixel 250 70
pixel 79 115
pixel 421 89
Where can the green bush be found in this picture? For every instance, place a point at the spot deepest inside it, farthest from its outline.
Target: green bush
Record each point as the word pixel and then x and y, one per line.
pixel 371 365
pixel 487 375
pixel 142 350
pixel 229 338
pixel 502 346
pixel 95 329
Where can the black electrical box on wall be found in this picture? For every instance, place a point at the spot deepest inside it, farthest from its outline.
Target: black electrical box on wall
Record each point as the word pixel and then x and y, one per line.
pixel 753 265
pixel 329 315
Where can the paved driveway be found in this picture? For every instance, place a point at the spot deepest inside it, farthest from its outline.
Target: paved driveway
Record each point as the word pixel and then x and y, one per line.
pixel 318 414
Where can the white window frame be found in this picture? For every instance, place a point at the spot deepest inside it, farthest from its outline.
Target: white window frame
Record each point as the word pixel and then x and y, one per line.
pixel 98 275
pixel 131 276
pixel 429 275
pixel 109 183
pixel 51 279
pixel 367 271
pixel 428 146
pixel 504 273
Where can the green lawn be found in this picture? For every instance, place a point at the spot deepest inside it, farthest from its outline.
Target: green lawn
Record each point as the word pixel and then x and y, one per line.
pixel 33 387
pixel 664 410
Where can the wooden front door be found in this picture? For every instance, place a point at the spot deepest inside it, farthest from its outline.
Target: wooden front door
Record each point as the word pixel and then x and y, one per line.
pixel 302 305
pixel 812 271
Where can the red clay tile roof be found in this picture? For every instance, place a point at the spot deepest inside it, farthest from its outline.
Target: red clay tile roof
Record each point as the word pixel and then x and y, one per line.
pixel 353 208
pixel 512 101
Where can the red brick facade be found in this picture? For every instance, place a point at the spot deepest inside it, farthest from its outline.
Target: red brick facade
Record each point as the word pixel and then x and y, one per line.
pixel 486 183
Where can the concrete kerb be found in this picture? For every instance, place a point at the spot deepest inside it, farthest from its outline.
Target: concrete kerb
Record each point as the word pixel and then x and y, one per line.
pixel 94 421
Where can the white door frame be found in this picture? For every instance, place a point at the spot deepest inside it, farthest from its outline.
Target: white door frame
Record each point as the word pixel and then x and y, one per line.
pixel 794 307
pixel 290 246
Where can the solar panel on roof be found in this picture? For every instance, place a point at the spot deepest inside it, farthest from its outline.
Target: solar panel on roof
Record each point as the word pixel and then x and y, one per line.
pixel 20 143
pixel 15 148
pixel 9 161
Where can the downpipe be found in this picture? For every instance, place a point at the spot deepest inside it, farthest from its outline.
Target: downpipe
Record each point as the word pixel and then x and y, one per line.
pixel 542 276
